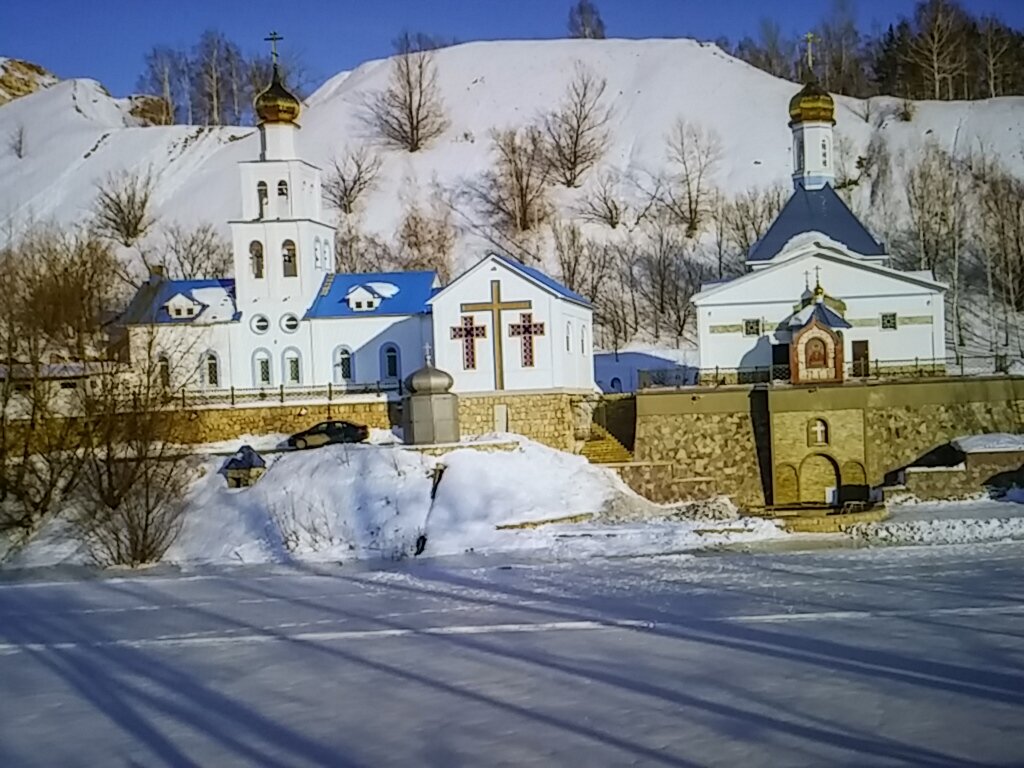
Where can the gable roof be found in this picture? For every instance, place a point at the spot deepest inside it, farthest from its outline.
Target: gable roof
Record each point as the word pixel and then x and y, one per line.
pixel 531 274
pixel 829 254
pixel 413 291
pixel 216 298
pixel 815 210
pixel 817 311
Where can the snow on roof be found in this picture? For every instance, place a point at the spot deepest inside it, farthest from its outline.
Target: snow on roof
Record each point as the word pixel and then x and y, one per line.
pixel 994 442
pixel 819 312
pixel 545 280
pixel 815 210
pixel 215 296
pixel 401 293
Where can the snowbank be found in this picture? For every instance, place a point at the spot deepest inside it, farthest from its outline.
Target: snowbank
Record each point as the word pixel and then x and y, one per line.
pixel 947 522
pixel 344 502
pixel 995 442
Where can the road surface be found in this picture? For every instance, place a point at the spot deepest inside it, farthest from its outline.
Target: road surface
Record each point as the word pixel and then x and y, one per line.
pixel 842 657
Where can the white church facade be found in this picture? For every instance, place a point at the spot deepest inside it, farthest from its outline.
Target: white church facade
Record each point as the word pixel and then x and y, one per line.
pixel 287 320
pixel 819 301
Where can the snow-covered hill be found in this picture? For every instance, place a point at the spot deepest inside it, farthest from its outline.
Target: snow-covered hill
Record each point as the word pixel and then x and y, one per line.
pixel 76 133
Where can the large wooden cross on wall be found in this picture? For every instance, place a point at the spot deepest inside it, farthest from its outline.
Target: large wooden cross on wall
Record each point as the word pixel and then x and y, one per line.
pixel 495 306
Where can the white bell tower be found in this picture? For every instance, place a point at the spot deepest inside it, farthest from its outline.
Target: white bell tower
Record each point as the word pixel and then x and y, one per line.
pixel 812 115
pixel 283 249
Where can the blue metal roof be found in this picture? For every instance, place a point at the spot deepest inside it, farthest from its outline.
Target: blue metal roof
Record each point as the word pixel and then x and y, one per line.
pixel 148 305
pixel 545 280
pixel 815 210
pixel 414 290
pixel 822 314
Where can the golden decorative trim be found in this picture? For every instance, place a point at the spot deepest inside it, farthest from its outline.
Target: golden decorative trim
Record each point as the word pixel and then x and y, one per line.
pixel 913 320
pixel 727 328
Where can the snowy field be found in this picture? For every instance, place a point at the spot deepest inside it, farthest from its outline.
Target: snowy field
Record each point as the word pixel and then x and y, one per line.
pixel 840 658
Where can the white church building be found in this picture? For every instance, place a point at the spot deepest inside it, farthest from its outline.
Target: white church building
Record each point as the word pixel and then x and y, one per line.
pixel 819 301
pixel 288 320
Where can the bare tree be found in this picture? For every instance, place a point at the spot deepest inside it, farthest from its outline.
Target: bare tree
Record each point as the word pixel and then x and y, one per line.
pixel 577 131
pixel 350 176
pixel 608 202
pixel 161 77
pixel 135 472
pixel 696 151
pixel 57 288
pixel 357 251
pixel 748 215
pixel 410 112
pixel 585 21
pixel 121 211
pixel 193 252
pixel 938 49
pixel 996 51
pixel 16 141
pixel 426 240
pixel 514 193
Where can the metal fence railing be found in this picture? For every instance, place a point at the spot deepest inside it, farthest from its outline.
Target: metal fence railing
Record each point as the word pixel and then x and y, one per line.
pixel 281 394
pixel 953 366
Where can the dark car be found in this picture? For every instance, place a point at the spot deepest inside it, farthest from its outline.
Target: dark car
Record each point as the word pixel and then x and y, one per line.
pixel 329 432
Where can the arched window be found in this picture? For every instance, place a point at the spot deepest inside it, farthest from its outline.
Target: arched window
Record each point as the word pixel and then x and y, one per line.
pixel 163 371
pixel 328 257
pixel 817 432
pixel 261 198
pixel 824 153
pixel 390 363
pixel 210 373
pixel 799 151
pixel 261 372
pixel 583 339
pixel 344 365
pixel 616 385
pixel 291 365
pixel 568 337
pixel 256 258
pixel 316 253
pixel 289 260
pixel 282 188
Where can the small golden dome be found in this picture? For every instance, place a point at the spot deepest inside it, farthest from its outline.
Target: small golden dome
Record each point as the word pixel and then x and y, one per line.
pixel 275 104
pixel 812 104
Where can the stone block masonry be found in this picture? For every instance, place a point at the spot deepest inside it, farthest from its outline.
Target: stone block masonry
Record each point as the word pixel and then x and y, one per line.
pixel 554 418
pixel 769 445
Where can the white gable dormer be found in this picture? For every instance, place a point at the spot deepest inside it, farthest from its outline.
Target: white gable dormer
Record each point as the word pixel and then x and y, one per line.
pixel 362 299
pixel 181 307
pixel 368 297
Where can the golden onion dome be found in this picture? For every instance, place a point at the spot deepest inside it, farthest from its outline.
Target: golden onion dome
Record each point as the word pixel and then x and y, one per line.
pixel 275 104
pixel 812 104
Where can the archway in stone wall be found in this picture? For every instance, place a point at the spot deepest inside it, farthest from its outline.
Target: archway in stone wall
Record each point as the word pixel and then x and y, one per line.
pixel 787 485
pixel 854 483
pixel 819 480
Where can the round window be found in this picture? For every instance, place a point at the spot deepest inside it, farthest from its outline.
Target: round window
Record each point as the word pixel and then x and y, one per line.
pixel 290 323
pixel 260 324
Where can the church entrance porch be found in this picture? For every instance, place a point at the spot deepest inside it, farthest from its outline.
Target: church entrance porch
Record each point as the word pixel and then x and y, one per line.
pixel 819 480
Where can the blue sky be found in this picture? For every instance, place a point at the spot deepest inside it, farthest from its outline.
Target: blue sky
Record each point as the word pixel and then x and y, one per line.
pixel 107 39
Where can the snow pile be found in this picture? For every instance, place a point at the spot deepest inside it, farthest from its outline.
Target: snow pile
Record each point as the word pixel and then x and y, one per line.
pixel 947 522
pixel 996 442
pixel 940 531
pixel 367 501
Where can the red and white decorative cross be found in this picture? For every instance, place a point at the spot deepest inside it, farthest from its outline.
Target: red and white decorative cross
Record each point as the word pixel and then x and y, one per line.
pixel 468 333
pixel 526 329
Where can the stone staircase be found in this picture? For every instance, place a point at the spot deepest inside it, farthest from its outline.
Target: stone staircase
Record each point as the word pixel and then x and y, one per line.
pixel 602 448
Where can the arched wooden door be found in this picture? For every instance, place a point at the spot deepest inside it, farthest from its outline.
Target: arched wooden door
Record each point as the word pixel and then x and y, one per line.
pixel 819 480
